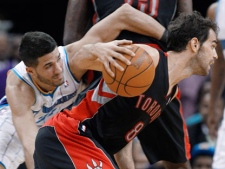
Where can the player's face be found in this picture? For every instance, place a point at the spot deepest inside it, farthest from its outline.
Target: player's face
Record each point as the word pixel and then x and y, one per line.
pixel 50 69
pixel 207 54
pixel 203 162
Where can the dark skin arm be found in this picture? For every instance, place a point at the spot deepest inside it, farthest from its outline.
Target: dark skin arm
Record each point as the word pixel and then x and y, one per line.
pixel 217 86
pixel 217 83
pixel 78 20
pixel 185 6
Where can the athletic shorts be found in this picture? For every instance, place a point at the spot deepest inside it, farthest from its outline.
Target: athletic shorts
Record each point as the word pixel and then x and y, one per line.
pixel 11 150
pixel 166 138
pixel 67 146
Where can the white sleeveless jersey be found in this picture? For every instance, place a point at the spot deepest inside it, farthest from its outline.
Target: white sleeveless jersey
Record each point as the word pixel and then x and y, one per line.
pixel 62 97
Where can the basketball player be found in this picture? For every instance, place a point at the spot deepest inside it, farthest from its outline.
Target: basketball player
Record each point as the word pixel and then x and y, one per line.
pixel 216 125
pixel 103 122
pixel 45 83
pixel 49 83
pixel 163 11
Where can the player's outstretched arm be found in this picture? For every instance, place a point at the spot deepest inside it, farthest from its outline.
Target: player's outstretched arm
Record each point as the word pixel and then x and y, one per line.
pixel 20 98
pixel 217 80
pixel 78 20
pixel 217 87
pixel 95 56
pixel 124 18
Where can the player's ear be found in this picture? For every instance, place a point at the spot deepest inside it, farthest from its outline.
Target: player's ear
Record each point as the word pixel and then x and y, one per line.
pixel 30 70
pixel 194 44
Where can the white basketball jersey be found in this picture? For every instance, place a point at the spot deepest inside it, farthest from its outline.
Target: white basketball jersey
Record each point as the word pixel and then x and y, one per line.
pixel 62 97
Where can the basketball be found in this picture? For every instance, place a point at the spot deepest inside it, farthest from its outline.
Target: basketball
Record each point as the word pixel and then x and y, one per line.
pixel 136 77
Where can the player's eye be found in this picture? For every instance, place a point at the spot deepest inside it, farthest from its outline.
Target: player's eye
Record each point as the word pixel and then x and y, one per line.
pixel 48 66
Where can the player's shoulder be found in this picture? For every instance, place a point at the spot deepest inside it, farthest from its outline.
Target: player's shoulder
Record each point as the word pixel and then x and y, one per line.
pixel 73 48
pixel 153 52
pixel 17 89
pixel 13 82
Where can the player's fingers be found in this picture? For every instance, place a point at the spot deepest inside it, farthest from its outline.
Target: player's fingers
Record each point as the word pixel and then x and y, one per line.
pixel 108 70
pixel 119 56
pixel 125 50
pixel 111 61
pixel 118 52
pixel 124 46
pixel 115 64
pixel 124 42
pixel 122 59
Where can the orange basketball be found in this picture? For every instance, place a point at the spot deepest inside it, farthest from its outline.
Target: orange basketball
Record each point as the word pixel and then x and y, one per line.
pixel 136 78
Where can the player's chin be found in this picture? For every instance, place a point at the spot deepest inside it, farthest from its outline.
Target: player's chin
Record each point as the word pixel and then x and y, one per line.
pixel 58 82
pixel 205 72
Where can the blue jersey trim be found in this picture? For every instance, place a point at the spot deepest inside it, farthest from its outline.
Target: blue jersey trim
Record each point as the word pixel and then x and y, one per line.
pixel 20 77
pixel 3 101
pixel 50 94
pixel 222 42
pixel 59 101
pixel 67 63
pixel 4 105
pixel 2 165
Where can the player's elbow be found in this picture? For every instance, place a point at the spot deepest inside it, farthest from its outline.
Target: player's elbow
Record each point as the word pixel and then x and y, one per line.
pixel 126 8
pixel 124 13
pixel 68 39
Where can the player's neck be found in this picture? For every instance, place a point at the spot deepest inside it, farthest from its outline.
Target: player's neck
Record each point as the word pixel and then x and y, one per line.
pixel 43 87
pixel 178 68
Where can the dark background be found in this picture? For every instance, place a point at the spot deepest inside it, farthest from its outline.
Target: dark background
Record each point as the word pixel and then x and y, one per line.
pixel 49 15
pixel 35 15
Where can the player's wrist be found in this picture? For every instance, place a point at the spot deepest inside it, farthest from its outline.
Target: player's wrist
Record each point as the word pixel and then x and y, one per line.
pixel 164 36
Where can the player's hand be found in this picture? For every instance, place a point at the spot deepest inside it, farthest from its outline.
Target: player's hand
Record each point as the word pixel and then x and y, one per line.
pixel 107 52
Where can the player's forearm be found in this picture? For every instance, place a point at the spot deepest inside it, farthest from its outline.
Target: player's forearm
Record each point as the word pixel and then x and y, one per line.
pixel 139 22
pixel 217 77
pixel 125 18
pixel 78 15
pixel 27 134
pixel 29 146
pixel 95 56
pixel 185 6
pixel 29 161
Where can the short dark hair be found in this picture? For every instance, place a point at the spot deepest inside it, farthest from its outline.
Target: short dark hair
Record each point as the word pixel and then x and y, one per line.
pixel 187 26
pixel 34 45
pixel 202 149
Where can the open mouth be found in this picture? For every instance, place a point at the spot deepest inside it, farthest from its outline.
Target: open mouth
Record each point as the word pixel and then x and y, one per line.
pixel 211 63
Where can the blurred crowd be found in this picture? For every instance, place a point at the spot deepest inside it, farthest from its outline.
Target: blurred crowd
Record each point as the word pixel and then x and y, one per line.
pixel 9 56
pixel 195 98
